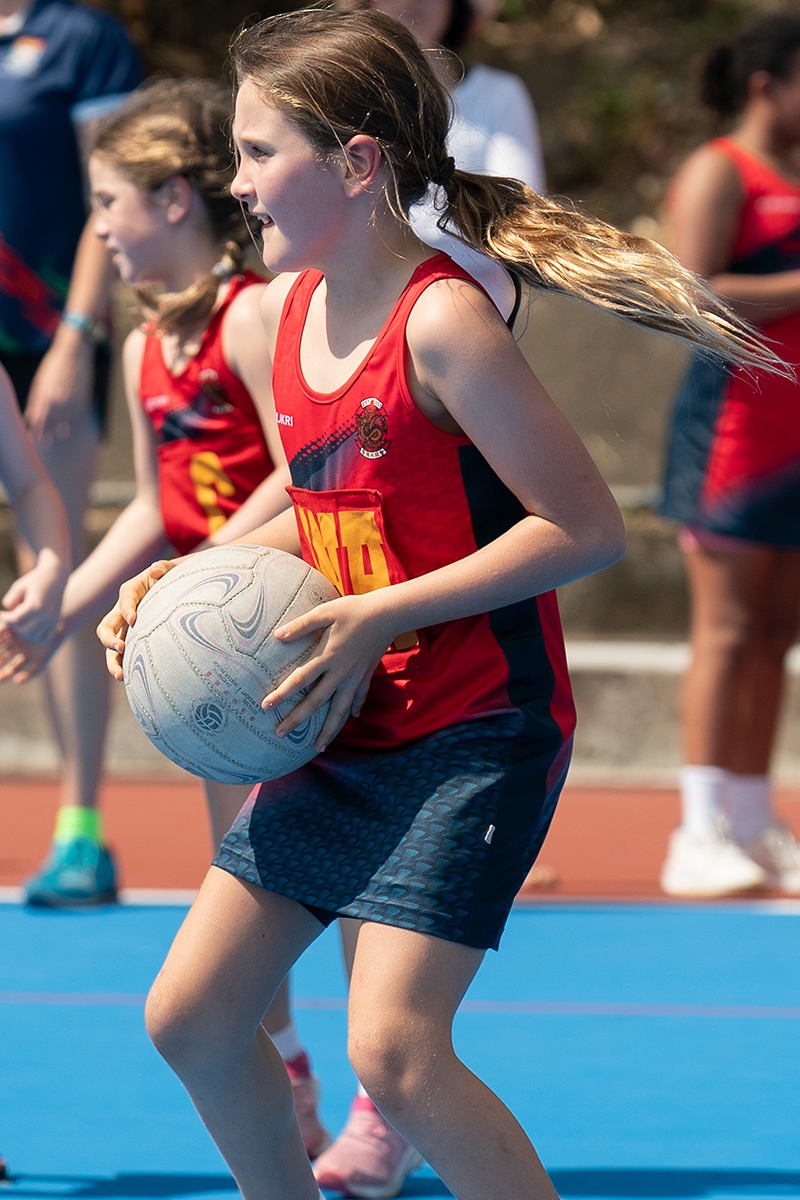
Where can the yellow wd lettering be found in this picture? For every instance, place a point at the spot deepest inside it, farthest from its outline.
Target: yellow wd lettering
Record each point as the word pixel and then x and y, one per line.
pixel 210 482
pixel 320 530
pixel 363 544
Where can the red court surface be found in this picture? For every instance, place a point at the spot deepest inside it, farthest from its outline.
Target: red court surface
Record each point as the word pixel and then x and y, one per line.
pixel 605 842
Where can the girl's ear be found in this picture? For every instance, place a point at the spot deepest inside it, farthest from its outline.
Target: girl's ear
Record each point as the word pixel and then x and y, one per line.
pixel 175 197
pixel 759 85
pixel 363 161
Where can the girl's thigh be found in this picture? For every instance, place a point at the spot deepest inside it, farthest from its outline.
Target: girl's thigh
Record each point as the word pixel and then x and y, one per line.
pixel 746 588
pixel 232 952
pixel 399 976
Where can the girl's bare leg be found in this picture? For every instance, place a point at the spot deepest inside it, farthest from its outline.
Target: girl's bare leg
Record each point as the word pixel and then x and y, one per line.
pixel 224 801
pixel 404 993
pixel 204 1015
pixel 745 605
pixel 348 932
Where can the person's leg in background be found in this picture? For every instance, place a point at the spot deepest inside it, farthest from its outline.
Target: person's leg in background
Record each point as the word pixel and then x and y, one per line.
pixel 79 869
pixel 745 604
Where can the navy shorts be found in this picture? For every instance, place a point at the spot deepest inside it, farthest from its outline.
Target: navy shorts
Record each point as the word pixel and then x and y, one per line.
pixel 436 836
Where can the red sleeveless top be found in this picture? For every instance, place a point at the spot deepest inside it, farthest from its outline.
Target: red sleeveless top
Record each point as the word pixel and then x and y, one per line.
pixel 380 496
pixel 210 445
pixel 768 238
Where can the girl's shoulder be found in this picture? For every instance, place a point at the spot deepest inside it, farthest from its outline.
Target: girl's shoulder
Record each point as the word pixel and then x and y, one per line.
pixel 710 170
pixel 245 308
pixel 450 315
pixel 133 349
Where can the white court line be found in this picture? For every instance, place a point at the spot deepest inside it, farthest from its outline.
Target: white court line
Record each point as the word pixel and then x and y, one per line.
pixel 147 897
pixel 659 658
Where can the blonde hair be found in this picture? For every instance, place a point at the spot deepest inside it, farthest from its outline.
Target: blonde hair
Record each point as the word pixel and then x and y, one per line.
pixel 178 127
pixel 336 74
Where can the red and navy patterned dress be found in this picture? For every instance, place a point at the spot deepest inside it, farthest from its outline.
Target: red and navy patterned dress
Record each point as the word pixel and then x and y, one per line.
pixel 734 451
pixel 209 441
pixel 428 810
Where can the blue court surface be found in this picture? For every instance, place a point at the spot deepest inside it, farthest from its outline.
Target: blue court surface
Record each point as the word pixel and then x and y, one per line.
pixel 650 1051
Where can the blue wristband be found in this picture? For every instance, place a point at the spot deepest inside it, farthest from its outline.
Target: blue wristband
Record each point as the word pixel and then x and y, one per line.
pixel 91 328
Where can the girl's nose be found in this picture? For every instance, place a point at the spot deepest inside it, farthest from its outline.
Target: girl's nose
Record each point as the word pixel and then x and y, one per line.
pixel 240 187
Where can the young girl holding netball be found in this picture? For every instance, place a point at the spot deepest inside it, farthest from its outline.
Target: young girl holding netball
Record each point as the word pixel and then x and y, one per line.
pixel 440 488
pixel 209 465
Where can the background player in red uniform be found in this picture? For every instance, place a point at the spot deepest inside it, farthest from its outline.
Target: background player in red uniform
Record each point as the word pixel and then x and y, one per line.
pixel 435 481
pixel 733 476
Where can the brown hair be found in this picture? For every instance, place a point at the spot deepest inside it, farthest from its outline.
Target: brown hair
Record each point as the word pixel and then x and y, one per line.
pixel 336 74
pixel 179 127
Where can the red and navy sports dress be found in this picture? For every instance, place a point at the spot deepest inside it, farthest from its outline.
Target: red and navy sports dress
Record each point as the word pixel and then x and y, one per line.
pixel 429 809
pixel 209 441
pixel 733 463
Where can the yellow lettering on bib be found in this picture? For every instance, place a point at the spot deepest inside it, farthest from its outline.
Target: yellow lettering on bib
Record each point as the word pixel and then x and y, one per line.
pixel 210 482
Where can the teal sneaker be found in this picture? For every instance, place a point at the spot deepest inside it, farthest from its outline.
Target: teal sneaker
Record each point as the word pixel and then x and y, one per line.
pixel 75 874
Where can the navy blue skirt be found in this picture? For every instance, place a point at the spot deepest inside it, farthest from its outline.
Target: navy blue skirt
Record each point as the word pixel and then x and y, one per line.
pixel 436 836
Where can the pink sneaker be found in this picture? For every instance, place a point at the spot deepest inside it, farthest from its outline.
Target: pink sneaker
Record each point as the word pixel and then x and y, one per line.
pixel 306 1098
pixel 369 1159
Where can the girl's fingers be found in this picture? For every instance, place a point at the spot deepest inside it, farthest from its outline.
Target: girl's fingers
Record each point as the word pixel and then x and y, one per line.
pixel 361 695
pixel 304 710
pixel 112 629
pixel 298 681
pixel 340 710
pixel 317 618
pixel 10 665
pixel 114 665
pixel 133 591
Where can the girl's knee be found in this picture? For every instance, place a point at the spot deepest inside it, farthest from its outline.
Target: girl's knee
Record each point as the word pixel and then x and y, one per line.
pixel 393 1060
pixel 182 1025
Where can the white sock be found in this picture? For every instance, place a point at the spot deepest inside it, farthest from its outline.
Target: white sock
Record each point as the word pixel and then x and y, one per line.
pixel 287 1043
pixel 703 791
pixel 748 805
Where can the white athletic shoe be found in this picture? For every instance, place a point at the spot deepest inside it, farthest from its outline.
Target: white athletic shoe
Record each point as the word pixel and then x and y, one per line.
pixel 713 865
pixel 777 851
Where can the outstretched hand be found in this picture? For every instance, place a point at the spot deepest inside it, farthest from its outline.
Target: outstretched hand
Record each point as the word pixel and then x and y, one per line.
pixel 356 632
pixel 113 628
pixel 21 659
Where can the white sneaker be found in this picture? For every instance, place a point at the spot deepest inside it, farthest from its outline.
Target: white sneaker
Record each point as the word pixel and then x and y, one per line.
pixel 710 865
pixel 777 851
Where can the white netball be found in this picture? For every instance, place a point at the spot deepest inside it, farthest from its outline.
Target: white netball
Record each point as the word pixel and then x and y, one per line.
pixel 201 657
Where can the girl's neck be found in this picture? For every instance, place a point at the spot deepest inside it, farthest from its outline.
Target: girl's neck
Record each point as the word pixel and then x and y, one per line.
pixel 190 267
pixel 760 133
pixel 372 265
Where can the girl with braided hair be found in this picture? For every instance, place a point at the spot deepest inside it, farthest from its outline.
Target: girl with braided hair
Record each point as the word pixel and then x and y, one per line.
pixel 445 530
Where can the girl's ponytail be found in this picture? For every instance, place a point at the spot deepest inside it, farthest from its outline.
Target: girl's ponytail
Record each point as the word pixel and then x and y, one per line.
pixel 552 246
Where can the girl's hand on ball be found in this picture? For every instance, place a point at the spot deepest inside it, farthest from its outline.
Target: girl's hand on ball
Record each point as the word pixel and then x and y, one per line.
pixel 114 626
pixel 356 631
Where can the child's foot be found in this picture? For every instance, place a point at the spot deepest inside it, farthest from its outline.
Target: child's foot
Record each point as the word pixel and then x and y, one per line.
pixel 369 1159
pixel 76 873
pixel 306 1098
pixel 3 1168
pixel 777 851
pixel 709 865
